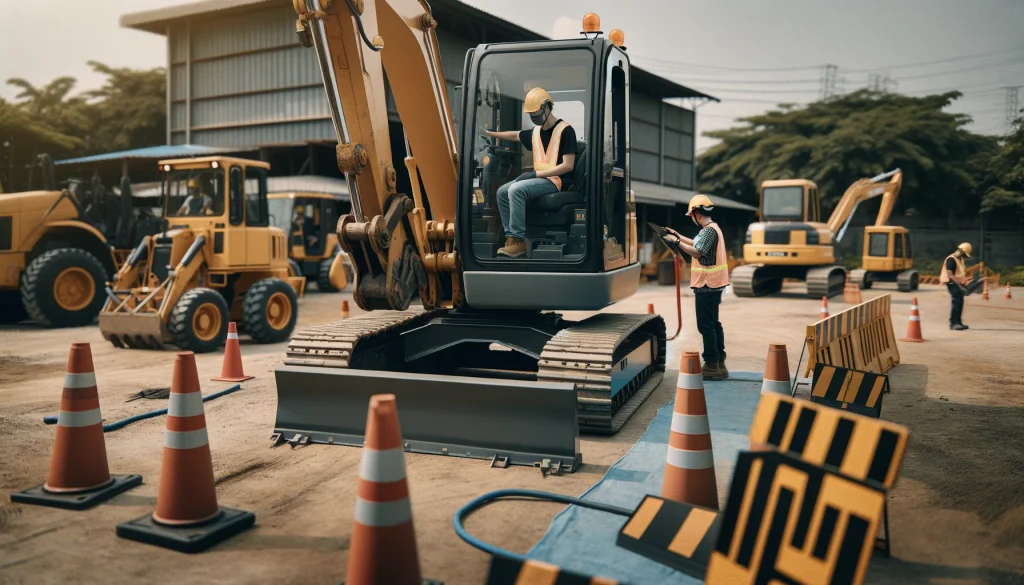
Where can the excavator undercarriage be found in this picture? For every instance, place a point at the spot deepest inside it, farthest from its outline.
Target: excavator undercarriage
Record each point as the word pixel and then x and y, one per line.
pixel 755 280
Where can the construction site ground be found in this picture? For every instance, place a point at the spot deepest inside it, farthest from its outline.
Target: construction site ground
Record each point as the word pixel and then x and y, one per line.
pixel 957 512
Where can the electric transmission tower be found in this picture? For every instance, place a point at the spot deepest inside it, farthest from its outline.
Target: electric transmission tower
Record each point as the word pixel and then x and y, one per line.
pixel 1012 106
pixel 881 83
pixel 828 81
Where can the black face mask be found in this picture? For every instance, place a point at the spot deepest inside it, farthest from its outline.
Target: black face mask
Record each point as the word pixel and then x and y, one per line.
pixel 539 117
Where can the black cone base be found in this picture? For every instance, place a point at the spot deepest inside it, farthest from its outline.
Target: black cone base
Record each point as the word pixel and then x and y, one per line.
pixel 188 539
pixel 80 500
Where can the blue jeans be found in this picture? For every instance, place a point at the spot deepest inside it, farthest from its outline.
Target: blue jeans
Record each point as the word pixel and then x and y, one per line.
pixel 512 198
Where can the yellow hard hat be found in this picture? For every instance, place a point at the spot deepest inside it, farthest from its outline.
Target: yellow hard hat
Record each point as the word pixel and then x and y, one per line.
pixel 966 249
pixel 535 100
pixel 193 183
pixel 701 202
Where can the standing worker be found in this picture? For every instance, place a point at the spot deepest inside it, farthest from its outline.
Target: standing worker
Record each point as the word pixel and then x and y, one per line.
pixel 709 275
pixel 954 276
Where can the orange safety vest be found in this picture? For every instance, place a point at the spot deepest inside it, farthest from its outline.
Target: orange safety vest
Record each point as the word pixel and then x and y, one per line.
pixel 542 160
pixel 961 271
pixel 716 276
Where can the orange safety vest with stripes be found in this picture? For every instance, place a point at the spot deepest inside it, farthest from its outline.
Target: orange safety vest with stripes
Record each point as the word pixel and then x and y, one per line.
pixel 542 160
pixel 716 276
pixel 961 271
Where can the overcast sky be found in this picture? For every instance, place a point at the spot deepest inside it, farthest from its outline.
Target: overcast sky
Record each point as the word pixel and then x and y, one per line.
pixel 750 54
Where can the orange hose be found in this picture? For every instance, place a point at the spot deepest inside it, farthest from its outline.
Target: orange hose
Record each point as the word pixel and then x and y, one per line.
pixel 679 302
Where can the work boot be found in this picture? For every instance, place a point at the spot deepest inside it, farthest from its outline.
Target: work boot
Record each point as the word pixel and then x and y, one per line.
pixel 723 369
pixel 711 372
pixel 958 327
pixel 514 248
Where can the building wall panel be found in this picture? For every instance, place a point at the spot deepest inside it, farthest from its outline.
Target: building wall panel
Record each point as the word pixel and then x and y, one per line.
pixel 269 134
pixel 645 107
pixel 678 174
pixel 178 82
pixel 244 32
pixel 678 145
pixel 262 107
pixel 179 44
pixel 644 135
pixel 643 166
pixel 679 119
pixel 178 116
pixel 255 72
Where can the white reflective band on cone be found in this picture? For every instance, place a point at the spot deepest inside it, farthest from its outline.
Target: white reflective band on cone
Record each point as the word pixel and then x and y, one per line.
pixel 689 381
pixel 383 466
pixel 690 459
pixel 381 514
pixel 190 404
pixel 74 381
pixel 81 418
pixel 913 307
pixel 914 318
pixel 186 439
pixel 775 386
pixel 232 336
pixel 690 424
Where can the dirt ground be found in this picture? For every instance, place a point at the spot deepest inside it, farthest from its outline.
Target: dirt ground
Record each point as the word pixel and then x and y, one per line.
pixel 957 512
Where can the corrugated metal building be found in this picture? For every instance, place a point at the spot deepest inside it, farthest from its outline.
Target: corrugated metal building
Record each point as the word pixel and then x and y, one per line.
pixel 238 78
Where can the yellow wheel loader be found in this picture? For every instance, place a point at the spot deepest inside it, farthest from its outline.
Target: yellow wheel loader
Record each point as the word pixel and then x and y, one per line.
pixel 310 219
pixel 790 241
pixel 54 258
pixel 216 259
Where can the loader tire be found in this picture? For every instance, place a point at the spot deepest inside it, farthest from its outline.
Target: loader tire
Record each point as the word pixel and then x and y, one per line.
pixel 199 322
pixel 64 288
pixel 12 310
pixel 270 310
pixel 294 269
pixel 323 280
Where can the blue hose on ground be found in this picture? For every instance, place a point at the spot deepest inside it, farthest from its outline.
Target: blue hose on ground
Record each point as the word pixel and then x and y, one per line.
pixel 490 498
pixel 52 420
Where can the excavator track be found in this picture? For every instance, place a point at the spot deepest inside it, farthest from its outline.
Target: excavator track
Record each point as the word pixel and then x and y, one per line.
pixel 907 281
pixel 753 280
pixel 825 281
pixel 588 353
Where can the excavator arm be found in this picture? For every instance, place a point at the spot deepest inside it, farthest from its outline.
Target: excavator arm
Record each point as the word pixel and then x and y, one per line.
pixel 861 191
pixel 397 244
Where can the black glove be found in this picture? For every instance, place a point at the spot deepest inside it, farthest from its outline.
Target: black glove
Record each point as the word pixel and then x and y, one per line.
pixel 527 175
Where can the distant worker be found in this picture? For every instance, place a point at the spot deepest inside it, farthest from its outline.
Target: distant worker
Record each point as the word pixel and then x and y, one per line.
pixel 197 202
pixel 954 276
pixel 709 275
pixel 304 224
pixel 553 143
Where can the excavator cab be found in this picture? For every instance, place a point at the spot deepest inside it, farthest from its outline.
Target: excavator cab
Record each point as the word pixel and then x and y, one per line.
pixel 580 239
pixel 790 200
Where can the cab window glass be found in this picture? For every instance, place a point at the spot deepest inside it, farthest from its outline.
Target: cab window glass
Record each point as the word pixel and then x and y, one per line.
pixel 878 245
pixel 194 192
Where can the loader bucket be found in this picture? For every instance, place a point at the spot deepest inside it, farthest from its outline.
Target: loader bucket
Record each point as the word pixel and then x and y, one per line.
pixel 511 422
pixel 133 330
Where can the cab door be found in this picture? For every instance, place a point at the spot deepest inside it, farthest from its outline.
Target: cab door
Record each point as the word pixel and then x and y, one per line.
pixel 233 253
pixel 257 218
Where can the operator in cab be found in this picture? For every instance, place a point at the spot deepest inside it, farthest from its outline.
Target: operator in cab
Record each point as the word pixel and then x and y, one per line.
pixel 954 276
pixel 304 225
pixel 709 275
pixel 553 143
pixel 197 203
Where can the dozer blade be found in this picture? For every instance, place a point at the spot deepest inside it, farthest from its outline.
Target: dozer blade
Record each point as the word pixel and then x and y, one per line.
pixel 133 330
pixel 513 421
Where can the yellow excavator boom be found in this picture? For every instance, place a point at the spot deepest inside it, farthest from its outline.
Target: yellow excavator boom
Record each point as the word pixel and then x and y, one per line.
pixel 861 191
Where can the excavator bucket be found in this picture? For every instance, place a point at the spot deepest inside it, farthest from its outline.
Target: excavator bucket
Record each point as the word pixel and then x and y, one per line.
pixel 510 422
pixel 132 330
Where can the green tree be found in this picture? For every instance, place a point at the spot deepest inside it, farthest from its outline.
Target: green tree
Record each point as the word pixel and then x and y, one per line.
pixel 862 134
pixel 1006 169
pixel 129 110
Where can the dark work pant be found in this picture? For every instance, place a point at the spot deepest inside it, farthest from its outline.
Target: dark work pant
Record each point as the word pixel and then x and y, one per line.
pixel 706 304
pixel 957 297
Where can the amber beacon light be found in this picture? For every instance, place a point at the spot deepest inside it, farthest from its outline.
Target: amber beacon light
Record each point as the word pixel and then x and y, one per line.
pixel 617 37
pixel 591 23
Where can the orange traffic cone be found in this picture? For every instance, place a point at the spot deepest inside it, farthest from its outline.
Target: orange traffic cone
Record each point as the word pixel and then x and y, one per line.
pixel 984 291
pixel 824 308
pixel 650 309
pixel 231 370
pixel 344 309
pixel 1007 296
pixel 383 544
pixel 914 325
pixel 690 462
pixel 79 477
pixel 776 371
pixel 187 517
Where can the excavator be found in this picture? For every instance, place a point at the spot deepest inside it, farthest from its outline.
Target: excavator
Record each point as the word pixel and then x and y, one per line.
pixel 791 242
pixel 887 256
pixel 485 367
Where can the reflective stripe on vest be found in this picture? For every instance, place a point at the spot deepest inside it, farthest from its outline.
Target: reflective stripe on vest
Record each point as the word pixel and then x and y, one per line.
pixel 961 271
pixel 542 160
pixel 715 276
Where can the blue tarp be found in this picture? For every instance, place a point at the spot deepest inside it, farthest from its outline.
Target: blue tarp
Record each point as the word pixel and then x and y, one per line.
pixel 583 540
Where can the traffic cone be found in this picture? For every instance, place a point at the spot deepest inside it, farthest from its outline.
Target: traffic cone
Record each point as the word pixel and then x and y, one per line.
pixel 187 517
pixel 650 309
pixel 383 544
pixel 344 309
pixel 231 370
pixel 79 477
pixel 824 308
pixel 1007 296
pixel 776 371
pixel 984 291
pixel 690 462
pixel 914 325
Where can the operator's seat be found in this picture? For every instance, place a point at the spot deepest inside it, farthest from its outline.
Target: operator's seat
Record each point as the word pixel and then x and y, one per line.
pixel 558 209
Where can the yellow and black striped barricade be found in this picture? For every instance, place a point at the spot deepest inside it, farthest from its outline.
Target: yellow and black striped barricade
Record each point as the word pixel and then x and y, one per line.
pixel 672 533
pixel 859 338
pixel 507 571
pixel 855 446
pixel 852 390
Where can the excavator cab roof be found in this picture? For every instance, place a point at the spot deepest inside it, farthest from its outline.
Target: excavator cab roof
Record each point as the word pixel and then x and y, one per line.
pixel 208 162
pixel 789 183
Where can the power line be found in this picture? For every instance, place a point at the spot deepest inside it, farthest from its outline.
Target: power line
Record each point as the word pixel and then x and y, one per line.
pixel 724 68
pixel 939 61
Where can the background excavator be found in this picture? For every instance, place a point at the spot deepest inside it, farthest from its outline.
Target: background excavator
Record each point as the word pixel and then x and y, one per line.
pixel 791 242
pixel 483 369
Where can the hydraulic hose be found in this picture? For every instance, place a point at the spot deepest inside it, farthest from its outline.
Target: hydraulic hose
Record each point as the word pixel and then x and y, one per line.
pixel 52 420
pixel 679 300
pixel 492 497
